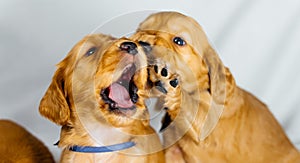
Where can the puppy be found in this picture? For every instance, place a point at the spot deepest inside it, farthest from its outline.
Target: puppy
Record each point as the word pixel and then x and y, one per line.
pixel 97 96
pixel 209 117
pixel 18 145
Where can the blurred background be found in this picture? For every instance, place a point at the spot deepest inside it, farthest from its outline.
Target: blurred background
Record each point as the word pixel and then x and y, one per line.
pixel 258 40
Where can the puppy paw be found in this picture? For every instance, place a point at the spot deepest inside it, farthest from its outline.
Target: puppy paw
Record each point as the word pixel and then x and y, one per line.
pixel 163 79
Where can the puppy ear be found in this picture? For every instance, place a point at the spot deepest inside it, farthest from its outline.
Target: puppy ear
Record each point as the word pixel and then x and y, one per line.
pixel 54 105
pixel 217 89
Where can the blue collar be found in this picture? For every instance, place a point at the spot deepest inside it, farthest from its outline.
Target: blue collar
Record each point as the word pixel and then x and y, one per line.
pixel 110 148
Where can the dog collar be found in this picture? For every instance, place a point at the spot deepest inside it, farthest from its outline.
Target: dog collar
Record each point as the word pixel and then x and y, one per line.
pixel 102 149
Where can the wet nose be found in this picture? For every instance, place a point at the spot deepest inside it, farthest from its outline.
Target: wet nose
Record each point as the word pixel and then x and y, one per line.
pixel 146 46
pixel 129 47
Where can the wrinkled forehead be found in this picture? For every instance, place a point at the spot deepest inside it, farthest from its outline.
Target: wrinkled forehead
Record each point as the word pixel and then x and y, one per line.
pixel 99 41
pixel 178 25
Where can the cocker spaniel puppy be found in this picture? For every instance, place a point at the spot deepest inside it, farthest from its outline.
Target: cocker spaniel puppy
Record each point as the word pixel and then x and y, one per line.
pixel 209 118
pixel 97 96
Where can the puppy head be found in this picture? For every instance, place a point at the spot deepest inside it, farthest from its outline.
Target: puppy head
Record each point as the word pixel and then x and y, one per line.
pixel 102 79
pixel 180 41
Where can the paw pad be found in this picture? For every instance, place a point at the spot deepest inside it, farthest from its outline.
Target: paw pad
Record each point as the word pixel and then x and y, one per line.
pixel 174 83
pixel 155 68
pixel 164 72
pixel 163 80
pixel 160 86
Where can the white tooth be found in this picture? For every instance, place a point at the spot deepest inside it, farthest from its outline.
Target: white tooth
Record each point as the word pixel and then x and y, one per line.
pixel 127 68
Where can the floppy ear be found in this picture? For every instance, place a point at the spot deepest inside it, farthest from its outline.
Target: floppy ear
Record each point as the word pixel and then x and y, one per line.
pixel 217 78
pixel 54 105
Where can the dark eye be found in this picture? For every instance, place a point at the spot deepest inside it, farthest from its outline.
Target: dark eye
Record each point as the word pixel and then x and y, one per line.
pixel 179 41
pixel 91 51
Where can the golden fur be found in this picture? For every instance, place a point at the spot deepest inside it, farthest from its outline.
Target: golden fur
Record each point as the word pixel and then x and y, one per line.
pixel 225 123
pixel 19 146
pixel 73 101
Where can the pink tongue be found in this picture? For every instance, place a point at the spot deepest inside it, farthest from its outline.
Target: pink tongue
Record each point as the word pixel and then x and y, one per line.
pixel 120 95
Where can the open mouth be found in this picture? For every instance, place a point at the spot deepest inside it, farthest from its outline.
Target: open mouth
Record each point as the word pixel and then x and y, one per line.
pixel 121 95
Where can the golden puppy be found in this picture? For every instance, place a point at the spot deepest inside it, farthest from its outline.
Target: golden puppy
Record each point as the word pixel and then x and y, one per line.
pixel 18 145
pixel 97 96
pixel 210 118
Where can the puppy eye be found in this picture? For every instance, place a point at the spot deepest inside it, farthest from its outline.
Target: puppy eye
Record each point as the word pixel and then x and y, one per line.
pixel 179 41
pixel 91 51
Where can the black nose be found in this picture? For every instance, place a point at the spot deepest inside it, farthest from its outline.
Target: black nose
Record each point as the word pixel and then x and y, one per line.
pixel 129 47
pixel 146 46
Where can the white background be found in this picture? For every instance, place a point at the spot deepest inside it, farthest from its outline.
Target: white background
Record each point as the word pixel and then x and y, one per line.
pixel 259 40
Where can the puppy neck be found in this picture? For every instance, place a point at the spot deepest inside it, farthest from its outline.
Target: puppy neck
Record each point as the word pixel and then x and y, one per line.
pixel 99 134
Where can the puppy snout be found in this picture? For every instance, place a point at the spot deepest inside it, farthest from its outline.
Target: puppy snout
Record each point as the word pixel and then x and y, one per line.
pixel 129 47
pixel 146 46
